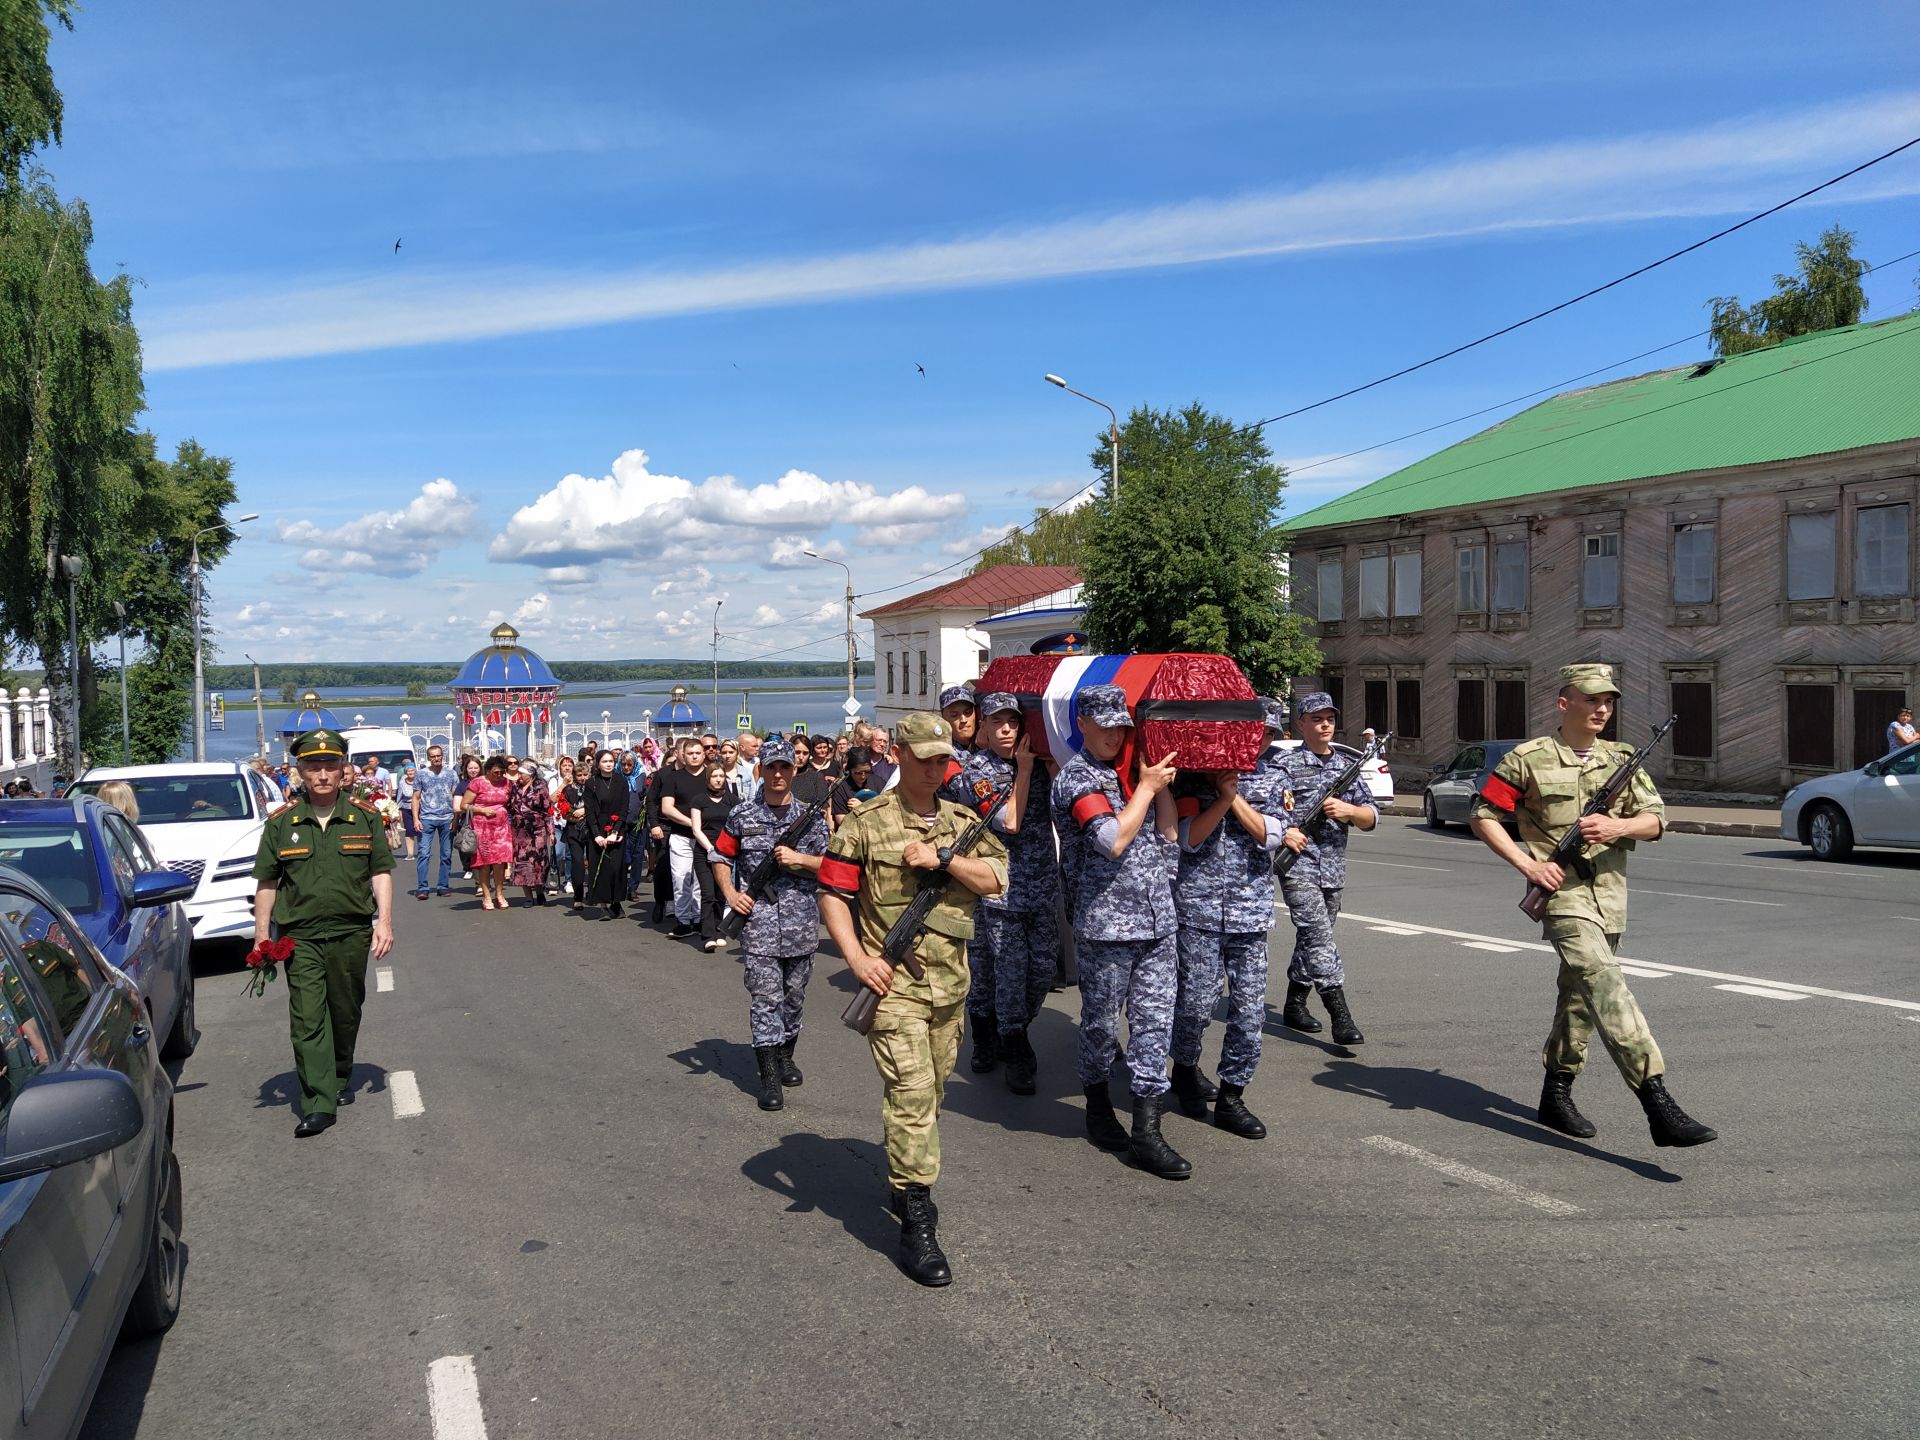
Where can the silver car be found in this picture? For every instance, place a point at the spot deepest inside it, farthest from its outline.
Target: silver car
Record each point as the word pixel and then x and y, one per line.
pixel 1455 782
pixel 1878 804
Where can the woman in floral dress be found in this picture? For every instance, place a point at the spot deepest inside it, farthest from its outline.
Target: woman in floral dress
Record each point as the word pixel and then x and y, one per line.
pixel 531 810
pixel 486 805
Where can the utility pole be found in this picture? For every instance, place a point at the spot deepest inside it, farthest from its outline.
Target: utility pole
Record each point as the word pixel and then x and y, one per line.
pixel 259 708
pixel 126 730
pixel 199 663
pixel 715 700
pixel 850 652
pixel 73 567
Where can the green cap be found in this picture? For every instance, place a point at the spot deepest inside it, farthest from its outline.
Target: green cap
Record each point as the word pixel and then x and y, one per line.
pixel 320 745
pixel 925 734
pixel 1589 679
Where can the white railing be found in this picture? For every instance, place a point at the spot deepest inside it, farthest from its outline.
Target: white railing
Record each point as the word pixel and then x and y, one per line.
pixel 26 737
pixel 561 736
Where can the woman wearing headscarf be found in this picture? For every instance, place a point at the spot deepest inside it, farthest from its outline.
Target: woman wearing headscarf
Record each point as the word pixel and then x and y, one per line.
pixel 531 810
pixel 606 811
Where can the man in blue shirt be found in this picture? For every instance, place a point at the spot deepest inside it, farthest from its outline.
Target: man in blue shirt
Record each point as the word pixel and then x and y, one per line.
pixel 433 816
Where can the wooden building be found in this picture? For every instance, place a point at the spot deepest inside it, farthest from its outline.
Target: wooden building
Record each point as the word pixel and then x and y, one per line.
pixel 1736 537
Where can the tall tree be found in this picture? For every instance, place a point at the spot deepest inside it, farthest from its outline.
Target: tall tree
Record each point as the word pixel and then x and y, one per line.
pixel 1052 537
pixel 1188 557
pixel 30 109
pixel 1825 294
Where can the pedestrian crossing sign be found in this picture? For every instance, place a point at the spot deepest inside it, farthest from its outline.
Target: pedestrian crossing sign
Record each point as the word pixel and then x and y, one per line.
pixel 743 722
pixel 799 727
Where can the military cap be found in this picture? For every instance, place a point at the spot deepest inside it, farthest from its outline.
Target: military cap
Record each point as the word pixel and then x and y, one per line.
pixel 1589 679
pixel 954 694
pixel 320 745
pixel 1274 713
pixel 994 701
pixel 924 735
pixel 1313 702
pixel 1102 705
pixel 776 750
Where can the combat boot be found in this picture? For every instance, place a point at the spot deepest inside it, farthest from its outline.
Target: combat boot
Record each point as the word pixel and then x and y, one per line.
pixel 920 1253
pixel 1345 1032
pixel 768 1058
pixel 1150 1149
pixel 1230 1113
pixel 1296 1016
pixel 1021 1062
pixel 1557 1110
pixel 1193 1090
pixel 1669 1123
pixel 790 1072
pixel 1103 1126
pixel 985 1046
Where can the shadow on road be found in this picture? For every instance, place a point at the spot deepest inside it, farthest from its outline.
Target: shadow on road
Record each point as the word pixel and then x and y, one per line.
pixel 283 1090
pixel 844 1180
pixel 1050 1109
pixel 1865 859
pixel 728 1059
pixel 122 1397
pixel 1406 1088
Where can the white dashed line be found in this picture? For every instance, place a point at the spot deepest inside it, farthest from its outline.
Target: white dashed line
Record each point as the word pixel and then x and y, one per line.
pixel 1766 992
pixel 1472 1176
pixel 453 1397
pixel 383 978
pixel 1717 899
pixel 1644 972
pixel 1492 945
pixel 404 1087
pixel 1395 865
pixel 1392 930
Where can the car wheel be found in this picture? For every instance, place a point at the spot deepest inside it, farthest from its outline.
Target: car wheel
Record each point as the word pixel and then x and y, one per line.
pixel 1829 833
pixel 156 1303
pixel 185 1033
pixel 1434 822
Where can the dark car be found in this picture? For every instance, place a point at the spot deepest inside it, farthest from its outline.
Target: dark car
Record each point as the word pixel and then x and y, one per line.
pixel 90 1198
pixel 1455 782
pixel 89 857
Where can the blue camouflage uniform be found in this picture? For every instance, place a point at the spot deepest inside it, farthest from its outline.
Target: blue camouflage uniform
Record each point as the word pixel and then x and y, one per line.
pixel 1312 888
pixel 1224 898
pixel 1123 915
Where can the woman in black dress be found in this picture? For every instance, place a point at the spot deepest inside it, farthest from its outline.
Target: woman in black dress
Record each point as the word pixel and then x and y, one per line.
pixel 709 816
pixel 573 829
pixel 606 810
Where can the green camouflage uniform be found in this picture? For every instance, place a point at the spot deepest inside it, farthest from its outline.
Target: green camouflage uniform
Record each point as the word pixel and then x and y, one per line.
pixel 1588 913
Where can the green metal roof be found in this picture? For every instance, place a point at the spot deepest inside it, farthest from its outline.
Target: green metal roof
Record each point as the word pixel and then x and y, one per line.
pixel 1812 395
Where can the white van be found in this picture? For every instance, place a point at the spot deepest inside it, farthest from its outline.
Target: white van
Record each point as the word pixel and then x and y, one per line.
pixel 391 748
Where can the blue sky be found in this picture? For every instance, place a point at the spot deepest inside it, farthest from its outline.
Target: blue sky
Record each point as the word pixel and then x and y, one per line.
pixel 666 272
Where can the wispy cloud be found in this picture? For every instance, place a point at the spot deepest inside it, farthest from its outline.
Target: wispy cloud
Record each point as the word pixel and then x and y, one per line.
pixel 1710 170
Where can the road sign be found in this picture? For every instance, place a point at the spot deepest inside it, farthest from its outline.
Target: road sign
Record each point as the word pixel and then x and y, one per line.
pixel 850 706
pixel 216 710
pixel 799 727
pixel 743 722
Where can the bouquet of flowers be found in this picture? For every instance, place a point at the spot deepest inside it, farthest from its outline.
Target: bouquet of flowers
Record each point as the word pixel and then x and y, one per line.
pixel 563 807
pixel 263 962
pixel 389 809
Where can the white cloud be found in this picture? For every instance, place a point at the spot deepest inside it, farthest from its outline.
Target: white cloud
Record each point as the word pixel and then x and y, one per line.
pixel 698 578
pixel 398 543
pixel 1709 170
pixel 565 575
pixel 978 540
pixel 789 552
pixel 767 615
pixel 533 610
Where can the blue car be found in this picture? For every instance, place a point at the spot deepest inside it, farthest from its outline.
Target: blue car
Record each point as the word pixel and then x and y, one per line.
pixel 90 858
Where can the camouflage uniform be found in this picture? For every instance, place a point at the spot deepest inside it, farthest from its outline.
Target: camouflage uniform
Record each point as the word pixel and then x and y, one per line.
pixel 1312 887
pixel 783 932
pixel 1015 938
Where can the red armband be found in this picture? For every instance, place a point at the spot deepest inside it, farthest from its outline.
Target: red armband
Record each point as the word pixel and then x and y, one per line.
pixel 1089 808
pixel 1187 806
pixel 1500 794
pixel 727 845
pixel 841 874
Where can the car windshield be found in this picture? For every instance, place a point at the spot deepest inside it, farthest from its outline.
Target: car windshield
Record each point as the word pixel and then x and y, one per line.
pixel 60 857
pixel 178 799
pixel 391 761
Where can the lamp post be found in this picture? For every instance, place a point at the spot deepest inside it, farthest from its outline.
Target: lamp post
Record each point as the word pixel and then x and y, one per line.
pixel 73 567
pixel 849 573
pixel 715 700
pixel 126 730
pixel 606 730
pixel 1115 432
pixel 259 707
pixel 199 624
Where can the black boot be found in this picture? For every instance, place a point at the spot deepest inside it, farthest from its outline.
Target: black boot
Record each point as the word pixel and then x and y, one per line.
pixel 1150 1149
pixel 920 1253
pixel 1296 1016
pixel 1193 1090
pixel 985 1045
pixel 768 1057
pixel 1103 1126
pixel 1230 1113
pixel 1669 1123
pixel 789 1072
pixel 1345 1032
pixel 1557 1110
pixel 1021 1062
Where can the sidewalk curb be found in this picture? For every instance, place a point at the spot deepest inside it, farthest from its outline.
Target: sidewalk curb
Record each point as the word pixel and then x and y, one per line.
pixel 1742 829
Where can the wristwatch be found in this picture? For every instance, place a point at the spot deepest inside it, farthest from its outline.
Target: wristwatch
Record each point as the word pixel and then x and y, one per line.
pixel 945 852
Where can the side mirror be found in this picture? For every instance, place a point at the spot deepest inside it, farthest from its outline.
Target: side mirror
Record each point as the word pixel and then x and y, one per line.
pixel 1871 768
pixel 162 887
pixel 60 1118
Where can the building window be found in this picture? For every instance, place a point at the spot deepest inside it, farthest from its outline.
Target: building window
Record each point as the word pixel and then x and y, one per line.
pixel 1600 573
pixel 1693 563
pixel 1470 579
pixel 1406 583
pixel 1470 710
pixel 1406 709
pixel 1376 705
pixel 1373 587
pixel 1693 723
pixel 1810 712
pixel 1810 556
pixel 1510 575
pixel 1873 710
pixel 1880 550
pixel 889 672
pixel 1330 581
pixel 1509 710
pixel 923 672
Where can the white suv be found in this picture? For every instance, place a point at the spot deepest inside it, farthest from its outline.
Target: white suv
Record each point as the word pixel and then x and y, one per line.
pixel 205 820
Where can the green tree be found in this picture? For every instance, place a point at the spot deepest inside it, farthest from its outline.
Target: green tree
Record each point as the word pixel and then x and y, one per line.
pixel 1052 537
pixel 416 689
pixel 289 692
pixel 1825 294
pixel 1188 557
pixel 30 108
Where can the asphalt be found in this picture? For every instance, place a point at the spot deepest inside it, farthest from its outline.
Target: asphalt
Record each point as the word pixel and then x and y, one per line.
pixel 592 1207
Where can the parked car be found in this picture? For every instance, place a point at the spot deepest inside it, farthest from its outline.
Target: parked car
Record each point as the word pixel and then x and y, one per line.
pixel 1456 781
pixel 1375 772
pixel 90 1194
pixel 91 859
pixel 1878 804
pixel 205 820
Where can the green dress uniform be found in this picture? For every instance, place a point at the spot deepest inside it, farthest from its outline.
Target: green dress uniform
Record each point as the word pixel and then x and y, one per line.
pixel 325 903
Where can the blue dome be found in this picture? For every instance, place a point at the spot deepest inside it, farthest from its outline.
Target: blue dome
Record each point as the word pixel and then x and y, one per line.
pixel 311 715
pixel 505 665
pixel 680 711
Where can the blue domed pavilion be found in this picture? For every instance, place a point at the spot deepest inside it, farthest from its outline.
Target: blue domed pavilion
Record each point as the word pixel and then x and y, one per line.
pixel 311 715
pixel 680 716
pixel 506 685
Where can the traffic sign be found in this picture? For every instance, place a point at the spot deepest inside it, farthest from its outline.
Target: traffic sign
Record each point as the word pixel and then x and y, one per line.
pixel 799 727
pixel 850 706
pixel 216 710
pixel 743 722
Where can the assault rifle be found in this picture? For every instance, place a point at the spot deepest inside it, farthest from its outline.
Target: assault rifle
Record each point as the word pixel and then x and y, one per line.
pixel 1285 860
pixel 897 948
pixel 732 922
pixel 1569 845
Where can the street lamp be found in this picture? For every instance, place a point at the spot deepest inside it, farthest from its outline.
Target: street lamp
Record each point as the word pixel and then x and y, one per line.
pixel 1115 433
pixel 843 565
pixel 73 567
pixel 259 707
pixel 126 730
pixel 715 701
pixel 199 624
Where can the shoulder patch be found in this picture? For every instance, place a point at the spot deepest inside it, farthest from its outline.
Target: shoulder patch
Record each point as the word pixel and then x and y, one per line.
pixel 282 808
pixel 366 806
pixel 1532 747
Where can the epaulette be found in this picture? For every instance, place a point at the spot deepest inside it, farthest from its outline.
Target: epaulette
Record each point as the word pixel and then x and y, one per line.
pixel 280 809
pixel 1532 747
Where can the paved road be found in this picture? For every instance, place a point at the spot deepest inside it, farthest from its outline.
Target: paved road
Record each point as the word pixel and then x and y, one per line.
pixel 590 1206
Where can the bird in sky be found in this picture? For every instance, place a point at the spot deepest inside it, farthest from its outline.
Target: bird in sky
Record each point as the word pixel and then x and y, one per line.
pixel 922 369
pixel 396 247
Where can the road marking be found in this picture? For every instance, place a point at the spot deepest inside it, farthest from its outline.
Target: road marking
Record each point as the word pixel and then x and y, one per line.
pixel 1664 967
pixel 1494 946
pixel 1717 899
pixel 1766 992
pixel 1392 930
pixel 383 978
pixel 1396 865
pixel 453 1398
pixel 1472 1176
pixel 1644 972
pixel 1907 917
pixel 404 1087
